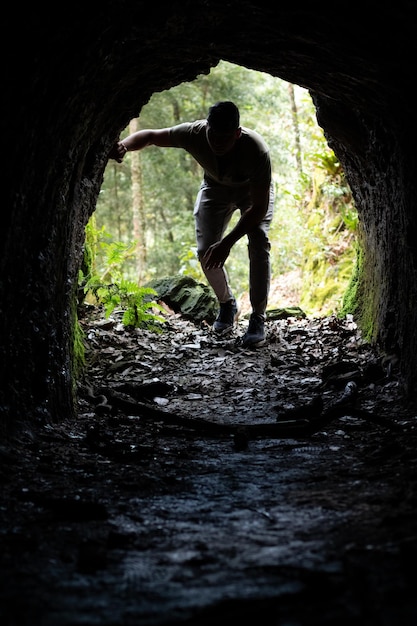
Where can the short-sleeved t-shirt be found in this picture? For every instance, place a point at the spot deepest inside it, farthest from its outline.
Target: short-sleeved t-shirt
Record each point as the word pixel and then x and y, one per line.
pixel 247 162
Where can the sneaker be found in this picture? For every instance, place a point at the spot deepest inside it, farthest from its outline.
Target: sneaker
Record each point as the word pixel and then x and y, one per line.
pixel 226 317
pixel 255 335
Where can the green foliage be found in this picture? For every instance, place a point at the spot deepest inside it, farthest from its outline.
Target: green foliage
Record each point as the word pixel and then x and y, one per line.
pixel 349 216
pixel 114 255
pixel 109 288
pixel 190 265
pixel 78 350
pixel 138 309
pixel 117 253
pixel 330 251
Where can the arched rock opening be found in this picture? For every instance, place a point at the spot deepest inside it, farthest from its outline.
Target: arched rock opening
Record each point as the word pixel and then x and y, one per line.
pixel 84 76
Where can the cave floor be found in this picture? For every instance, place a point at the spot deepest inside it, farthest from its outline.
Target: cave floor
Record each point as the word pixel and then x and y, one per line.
pixel 198 485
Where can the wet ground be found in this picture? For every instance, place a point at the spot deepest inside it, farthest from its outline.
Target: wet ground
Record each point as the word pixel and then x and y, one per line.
pixel 204 483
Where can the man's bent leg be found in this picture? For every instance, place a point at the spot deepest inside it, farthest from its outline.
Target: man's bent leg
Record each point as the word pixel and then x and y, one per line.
pixel 212 213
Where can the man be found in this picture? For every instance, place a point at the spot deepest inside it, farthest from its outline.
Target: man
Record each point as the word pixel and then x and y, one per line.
pixel 237 176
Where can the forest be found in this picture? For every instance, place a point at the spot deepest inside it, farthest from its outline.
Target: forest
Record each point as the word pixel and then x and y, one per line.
pixel 143 228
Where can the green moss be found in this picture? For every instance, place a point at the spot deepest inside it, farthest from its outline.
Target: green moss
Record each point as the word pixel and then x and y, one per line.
pixel 350 299
pixel 78 351
pixel 357 303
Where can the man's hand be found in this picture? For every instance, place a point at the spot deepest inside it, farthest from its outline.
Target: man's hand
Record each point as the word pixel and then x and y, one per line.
pixel 118 151
pixel 216 255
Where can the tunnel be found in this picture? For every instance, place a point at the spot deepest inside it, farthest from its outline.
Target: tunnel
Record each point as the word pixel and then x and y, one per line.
pixel 83 72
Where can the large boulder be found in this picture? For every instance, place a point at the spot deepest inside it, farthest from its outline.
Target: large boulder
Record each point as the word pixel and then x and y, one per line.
pixel 185 295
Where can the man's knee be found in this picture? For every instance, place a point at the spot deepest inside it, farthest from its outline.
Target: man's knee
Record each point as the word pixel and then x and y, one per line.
pixel 258 241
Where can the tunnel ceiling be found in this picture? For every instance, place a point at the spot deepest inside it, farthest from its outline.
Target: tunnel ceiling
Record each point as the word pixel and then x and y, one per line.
pixel 131 49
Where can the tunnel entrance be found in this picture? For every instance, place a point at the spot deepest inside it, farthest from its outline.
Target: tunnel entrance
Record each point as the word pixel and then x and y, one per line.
pixel 148 199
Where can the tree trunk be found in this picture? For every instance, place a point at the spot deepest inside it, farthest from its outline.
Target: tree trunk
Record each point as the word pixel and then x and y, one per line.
pixel 138 217
pixel 296 127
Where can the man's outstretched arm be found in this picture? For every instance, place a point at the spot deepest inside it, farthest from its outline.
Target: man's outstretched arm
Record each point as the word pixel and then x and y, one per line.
pixel 139 140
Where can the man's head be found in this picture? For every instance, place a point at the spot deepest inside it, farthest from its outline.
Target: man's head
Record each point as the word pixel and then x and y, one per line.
pixel 223 128
pixel 223 117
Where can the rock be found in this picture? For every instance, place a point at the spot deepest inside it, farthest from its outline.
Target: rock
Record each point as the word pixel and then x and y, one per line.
pixel 185 295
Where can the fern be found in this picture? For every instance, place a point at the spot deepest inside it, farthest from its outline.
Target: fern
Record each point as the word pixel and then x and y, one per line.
pixel 111 290
pixel 135 301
